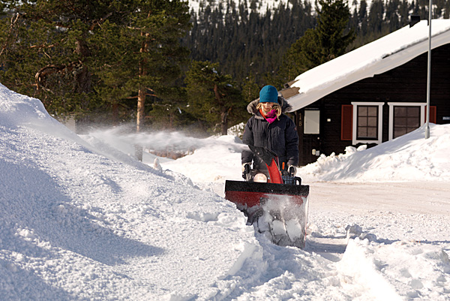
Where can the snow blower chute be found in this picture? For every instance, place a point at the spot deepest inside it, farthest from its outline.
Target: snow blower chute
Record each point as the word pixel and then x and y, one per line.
pixel 277 206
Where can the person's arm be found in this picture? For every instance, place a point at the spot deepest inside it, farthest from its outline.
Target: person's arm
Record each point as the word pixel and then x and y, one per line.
pixel 247 154
pixel 291 143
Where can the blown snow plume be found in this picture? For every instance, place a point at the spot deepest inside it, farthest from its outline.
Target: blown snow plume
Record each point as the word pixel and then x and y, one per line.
pixel 172 145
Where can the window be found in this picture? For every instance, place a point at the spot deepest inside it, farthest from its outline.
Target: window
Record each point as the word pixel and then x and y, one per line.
pixel 406 119
pixel 367 127
pixel 367 122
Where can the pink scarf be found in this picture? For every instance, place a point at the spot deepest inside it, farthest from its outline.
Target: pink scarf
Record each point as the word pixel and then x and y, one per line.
pixel 271 116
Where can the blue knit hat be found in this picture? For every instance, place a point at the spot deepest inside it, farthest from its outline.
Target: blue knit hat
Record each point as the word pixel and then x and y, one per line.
pixel 268 94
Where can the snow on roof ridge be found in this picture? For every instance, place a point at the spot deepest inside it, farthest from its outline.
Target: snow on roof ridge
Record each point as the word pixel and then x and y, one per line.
pixel 366 61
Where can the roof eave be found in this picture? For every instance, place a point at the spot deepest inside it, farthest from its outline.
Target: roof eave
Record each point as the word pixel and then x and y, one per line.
pixel 300 100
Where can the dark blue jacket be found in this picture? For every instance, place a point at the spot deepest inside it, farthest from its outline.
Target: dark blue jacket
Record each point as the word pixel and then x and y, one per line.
pixel 280 137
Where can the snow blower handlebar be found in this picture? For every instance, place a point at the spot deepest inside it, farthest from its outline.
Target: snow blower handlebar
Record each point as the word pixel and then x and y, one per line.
pixel 266 155
pixel 270 159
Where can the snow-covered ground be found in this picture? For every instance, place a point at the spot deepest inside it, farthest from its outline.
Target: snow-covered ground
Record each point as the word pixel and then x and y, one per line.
pixel 81 219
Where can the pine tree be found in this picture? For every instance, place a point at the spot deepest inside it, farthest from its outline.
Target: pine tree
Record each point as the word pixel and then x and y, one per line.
pixel 331 37
pixel 148 48
pixel 213 97
pixel 47 52
pixel 321 44
pixel 447 9
pixel 113 72
pixel 375 18
pixel 84 56
pixel 250 90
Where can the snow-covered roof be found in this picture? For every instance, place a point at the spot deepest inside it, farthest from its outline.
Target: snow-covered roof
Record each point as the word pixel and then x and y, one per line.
pixel 374 58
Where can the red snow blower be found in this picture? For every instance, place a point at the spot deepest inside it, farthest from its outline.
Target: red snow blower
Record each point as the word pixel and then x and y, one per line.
pixel 275 202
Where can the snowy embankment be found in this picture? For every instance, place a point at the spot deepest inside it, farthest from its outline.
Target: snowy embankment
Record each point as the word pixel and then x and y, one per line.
pixel 407 158
pixel 80 219
pixel 76 225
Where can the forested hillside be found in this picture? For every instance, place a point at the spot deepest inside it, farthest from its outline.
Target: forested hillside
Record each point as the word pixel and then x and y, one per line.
pixel 245 40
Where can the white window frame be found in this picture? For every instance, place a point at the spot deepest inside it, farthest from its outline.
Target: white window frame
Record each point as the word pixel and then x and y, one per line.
pixel 355 122
pixel 391 105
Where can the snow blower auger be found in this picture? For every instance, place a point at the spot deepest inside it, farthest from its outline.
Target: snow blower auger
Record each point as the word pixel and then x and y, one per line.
pixel 277 205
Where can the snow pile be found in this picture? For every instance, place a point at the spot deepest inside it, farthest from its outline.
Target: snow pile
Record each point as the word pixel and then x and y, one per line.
pixel 78 225
pixel 81 219
pixel 380 269
pixel 407 158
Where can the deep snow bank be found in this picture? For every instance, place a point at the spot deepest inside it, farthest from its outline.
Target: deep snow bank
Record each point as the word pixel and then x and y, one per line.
pixel 410 157
pixel 75 224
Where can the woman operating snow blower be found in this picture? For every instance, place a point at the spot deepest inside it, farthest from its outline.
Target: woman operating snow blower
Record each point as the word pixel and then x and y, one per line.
pixel 272 197
pixel 270 129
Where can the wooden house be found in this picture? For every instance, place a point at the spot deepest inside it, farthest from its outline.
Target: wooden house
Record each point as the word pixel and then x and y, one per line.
pixel 374 93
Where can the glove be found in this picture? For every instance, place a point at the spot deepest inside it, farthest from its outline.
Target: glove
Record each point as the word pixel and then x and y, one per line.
pixel 245 170
pixel 292 170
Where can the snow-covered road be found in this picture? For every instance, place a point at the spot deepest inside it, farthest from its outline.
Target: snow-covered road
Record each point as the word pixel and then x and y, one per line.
pixel 368 239
pixel 398 246
pixel 403 197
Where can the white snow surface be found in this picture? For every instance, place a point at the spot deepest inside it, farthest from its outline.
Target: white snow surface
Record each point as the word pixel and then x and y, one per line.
pixel 81 219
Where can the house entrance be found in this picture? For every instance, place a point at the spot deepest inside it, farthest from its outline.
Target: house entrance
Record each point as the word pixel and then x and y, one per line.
pixel 311 137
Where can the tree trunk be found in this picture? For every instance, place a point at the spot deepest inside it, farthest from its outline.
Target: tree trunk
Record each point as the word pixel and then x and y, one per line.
pixel 217 94
pixel 223 113
pixel 115 113
pixel 224 121
pixel 140 110
pixel 82 81
pixel 139 149
pixel 142 92
pixel 83 77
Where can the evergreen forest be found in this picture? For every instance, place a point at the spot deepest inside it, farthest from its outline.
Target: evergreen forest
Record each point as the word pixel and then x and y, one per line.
pixel 156 64
pixel 245 42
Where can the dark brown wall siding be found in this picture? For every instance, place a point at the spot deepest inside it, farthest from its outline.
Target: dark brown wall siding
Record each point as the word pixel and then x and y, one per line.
pixel 406 83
